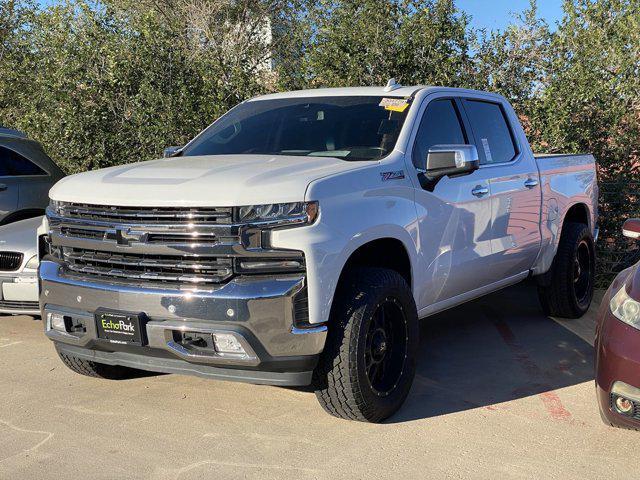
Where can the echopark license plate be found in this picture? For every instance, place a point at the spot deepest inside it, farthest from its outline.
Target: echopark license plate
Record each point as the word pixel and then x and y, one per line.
pixel 120 327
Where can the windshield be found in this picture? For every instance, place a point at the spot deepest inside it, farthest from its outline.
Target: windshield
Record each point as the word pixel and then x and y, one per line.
pixel 349 128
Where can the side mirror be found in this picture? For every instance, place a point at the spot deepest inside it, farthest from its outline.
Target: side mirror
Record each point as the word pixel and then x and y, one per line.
pixel 171 151
pixel 448 161
pixel 631 228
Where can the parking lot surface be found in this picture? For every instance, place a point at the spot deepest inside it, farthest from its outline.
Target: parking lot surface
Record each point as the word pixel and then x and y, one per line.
pixel 501 391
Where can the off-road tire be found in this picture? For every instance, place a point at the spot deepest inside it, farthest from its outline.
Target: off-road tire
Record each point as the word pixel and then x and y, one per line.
pixel 97 370
pixel 341 379
pixel 558 295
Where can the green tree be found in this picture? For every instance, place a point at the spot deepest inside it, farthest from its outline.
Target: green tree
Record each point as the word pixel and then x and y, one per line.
pixel 367 42
pixel 592 101
pixel 515 62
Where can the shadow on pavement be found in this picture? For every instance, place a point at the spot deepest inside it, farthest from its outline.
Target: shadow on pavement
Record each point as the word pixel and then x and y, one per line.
pixel 498 348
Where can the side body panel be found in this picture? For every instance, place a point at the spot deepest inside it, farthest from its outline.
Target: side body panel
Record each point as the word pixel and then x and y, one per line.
pixel 566 180
pixel 454 226
pixel 515 203
pixel 454 238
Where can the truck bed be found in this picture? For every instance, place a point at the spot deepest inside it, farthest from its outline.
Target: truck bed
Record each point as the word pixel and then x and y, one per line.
pixel 554 163
pixel 551 155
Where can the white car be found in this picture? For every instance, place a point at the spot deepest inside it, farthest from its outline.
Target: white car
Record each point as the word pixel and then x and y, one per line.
pixel 299 239
pixel 19 267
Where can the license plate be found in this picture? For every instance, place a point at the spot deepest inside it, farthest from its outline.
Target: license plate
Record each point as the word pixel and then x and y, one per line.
pixel 123 328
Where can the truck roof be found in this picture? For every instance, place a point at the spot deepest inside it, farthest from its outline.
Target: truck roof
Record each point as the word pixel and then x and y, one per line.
pixel 399 91
pixel 396 91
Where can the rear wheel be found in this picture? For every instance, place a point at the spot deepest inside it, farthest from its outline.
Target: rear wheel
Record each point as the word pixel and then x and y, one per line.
pixel 569 289
pixel 97 370
pixel 367 368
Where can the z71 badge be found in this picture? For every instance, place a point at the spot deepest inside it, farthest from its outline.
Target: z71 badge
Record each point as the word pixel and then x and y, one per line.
pixel 397 175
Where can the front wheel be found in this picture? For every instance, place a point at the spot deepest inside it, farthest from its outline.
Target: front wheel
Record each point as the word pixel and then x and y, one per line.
pixel 368 364
pixel 569 291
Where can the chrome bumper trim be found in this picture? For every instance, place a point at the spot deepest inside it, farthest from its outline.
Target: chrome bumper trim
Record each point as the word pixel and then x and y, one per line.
pixel 625 390
pixel 160 335
pixel 309 331
pixel 259 308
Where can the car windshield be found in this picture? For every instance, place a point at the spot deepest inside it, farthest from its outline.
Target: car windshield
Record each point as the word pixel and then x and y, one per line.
pixel 349 128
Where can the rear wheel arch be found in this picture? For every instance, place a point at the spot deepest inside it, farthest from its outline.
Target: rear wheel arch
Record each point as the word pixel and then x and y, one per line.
pixel 578 213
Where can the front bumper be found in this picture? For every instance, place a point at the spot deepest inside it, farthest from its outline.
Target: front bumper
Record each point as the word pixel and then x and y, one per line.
pixel 258 311
pixel 617 363
pixel 19 294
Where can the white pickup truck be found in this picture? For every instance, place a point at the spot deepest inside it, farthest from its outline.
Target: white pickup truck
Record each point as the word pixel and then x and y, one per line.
pixel 300 237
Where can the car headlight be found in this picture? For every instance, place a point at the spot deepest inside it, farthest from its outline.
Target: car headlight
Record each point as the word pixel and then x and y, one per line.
pixel 32 264
pixel 286 213
pixel 626 308
pixel 54 206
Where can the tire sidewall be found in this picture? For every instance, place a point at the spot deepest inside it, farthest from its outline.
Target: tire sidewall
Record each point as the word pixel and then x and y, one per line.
pixel 583 235
pixel 383 406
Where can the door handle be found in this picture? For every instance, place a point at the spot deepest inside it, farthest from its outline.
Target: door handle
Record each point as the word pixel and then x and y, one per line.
pixel 3 187
pixel 480 191
pixel 531 183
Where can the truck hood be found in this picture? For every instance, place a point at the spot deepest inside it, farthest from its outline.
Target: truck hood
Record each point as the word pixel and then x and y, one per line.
pixel 220 180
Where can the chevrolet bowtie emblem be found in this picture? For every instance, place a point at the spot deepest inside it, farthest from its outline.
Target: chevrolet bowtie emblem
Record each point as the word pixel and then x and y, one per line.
pixel 125 236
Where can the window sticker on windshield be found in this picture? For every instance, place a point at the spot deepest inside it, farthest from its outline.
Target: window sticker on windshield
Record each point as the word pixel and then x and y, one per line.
pixel 395 104
pixel 487 150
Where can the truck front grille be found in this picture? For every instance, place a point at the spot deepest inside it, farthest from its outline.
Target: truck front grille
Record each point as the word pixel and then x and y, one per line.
pixel 162 238
pixel 147 215
pixel 190 248
pixel 10 261
pixel 149 268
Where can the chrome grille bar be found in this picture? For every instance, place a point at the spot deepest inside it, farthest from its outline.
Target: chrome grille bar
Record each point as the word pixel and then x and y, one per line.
pixel 148 214
pixel 58 220
pixel 137 261
pixel 206 270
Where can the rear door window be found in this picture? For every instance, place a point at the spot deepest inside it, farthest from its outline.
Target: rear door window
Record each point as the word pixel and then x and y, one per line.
pixel 14 164
pixel 440 125
pixel 493 136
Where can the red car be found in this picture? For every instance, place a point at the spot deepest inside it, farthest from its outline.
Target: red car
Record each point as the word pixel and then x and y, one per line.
pixel 618 346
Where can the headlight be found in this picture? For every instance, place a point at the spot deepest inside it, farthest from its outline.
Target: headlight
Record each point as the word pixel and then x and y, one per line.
pixel 626 308
pixel 55 205
pixel 32 264
pixel 296 212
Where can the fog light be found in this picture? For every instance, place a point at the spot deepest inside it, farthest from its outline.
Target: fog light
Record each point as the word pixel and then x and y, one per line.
pixel 57 322
pixel 624 406
pixel 228 343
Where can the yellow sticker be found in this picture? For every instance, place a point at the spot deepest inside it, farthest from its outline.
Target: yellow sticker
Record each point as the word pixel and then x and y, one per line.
pixel 399 108
pixel 394 104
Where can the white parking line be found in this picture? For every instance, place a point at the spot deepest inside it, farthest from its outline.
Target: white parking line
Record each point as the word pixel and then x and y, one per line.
pixel 27 451
pixel 9 344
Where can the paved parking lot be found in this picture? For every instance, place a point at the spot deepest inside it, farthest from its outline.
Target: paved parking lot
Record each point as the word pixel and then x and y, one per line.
pixel 501 392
